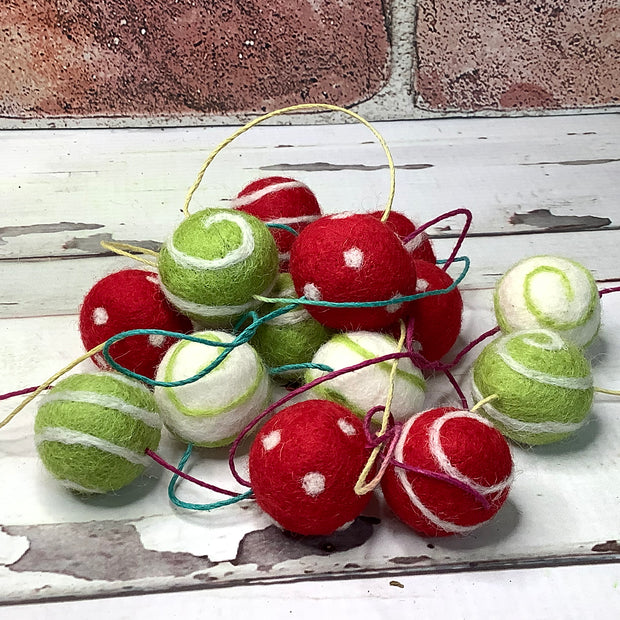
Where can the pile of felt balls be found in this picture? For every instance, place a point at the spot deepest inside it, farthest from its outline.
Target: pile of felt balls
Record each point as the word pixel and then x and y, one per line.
pixel 273 291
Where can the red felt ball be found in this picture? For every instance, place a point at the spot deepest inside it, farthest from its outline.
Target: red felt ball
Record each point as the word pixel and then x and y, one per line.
pixel 420 246
pixel 304 464
pixel 437 319
pixel 351 257
pixel 462 445
pixel 124 300
pixel 280 200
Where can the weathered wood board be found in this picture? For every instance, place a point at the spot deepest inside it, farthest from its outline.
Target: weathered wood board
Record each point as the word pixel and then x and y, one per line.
pixel 62 190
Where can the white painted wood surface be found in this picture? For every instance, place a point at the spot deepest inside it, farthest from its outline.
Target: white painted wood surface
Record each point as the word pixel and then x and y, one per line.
pixel 60 190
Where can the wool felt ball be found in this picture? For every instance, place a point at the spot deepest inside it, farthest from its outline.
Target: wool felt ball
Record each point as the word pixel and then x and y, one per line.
pixel 92 431
pixel 458 444
pixel 215 262
pixel 436 319
pixel 280 200
pixel 365 388
pixel 290 338
pixel 549 292
pixel 543 383
pixel 304 464
pixel 213 410
pixel 351 257
pixel 420 246
pixel 125 300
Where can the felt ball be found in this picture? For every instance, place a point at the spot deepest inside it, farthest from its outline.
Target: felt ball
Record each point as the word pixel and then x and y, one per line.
pixel 280 200
pixel 462 446
pixel 420 246
pixel 125 300
pixel 436 319
pixel 304 464
pixel 290 338
pixel 549 292
pixel 215 262
pixel 543 383
pixel 92 431
pixel 368 387
pixel 213 410
pixel 351 257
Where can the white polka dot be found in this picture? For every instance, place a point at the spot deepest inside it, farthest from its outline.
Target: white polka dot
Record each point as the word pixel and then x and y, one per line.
pixel 311 291
pixel 346 427
pixel 342 216
pixel 394 307
pixel 153 278
pixel 157 340
pixel 101 361
pixel 421 285
pixel 313 483
pixel 272 440
pixel 353 258
pixel 100 316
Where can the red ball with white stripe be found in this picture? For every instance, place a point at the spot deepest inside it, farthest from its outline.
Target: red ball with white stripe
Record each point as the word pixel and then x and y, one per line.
pixel 280 200
pixel 125 300
pixel 461 445
pixel 419 247
pixel 352 257
pixel 304 464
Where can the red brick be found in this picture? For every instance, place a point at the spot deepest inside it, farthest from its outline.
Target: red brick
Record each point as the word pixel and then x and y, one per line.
pixel 166 57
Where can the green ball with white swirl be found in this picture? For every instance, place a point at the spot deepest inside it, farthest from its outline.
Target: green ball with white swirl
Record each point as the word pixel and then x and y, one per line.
pixel 215 262
pixel 549 292
pixel 543 385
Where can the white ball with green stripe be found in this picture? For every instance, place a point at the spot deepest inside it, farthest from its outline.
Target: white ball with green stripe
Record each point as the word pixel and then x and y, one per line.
pixel 92 431
pixel 542 385
pixel 363 389
pixel 549 292
pixel 215 262
pixel 213 410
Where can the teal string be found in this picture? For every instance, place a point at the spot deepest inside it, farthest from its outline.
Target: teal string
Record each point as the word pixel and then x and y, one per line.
pixel 283 227
pixel 376 304
pixel 288 367
pixel 189 505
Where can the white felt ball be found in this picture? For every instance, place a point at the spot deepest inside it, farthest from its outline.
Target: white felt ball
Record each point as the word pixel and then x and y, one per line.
pixel 366 388
pixel 549 292
pixel 213 410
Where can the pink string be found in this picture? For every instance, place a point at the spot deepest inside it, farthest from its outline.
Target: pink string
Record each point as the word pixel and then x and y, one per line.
pixel 158 459
pixel 605 291
pixel 461 238
pixel 22 392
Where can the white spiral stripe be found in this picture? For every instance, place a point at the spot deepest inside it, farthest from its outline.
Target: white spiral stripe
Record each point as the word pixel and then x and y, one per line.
pixel 74 486
pixel 233 257
pixel 290 318
pixel 299 219
pixel 242 201
pixel 444 463
pixel 415 500
pixel 571 383
pixel 70 437
pixel 150 418
pixel 191 307
pixel 516 425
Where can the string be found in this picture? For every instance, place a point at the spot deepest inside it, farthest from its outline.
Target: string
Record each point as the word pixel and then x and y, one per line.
pixel 361 487
pixel 297 108
pixel 190 506
pixel 49 382
pixel 283 227
pixel 484 401
pixel 607 391
pixel 126 249
pixel 605 291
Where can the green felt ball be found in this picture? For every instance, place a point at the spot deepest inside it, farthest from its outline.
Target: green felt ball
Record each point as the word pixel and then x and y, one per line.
pixel 92 430
pixel 291 338
pixel 543 385
pixel 215 262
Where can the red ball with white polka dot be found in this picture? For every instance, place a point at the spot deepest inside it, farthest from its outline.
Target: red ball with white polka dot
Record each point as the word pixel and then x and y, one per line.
pixel 304 464
pixel 280 200
pixel 125 300
pixel 351 257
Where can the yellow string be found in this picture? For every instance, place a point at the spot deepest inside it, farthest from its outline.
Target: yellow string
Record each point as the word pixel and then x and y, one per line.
pixel 484 401
pixel 362 488
pixel 126 249
pixel 606 391
pixel 49 382
pixel 298 108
